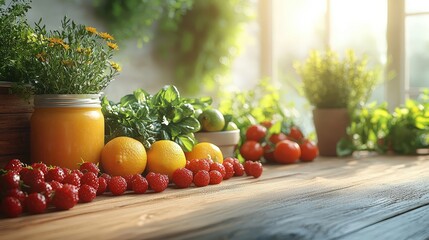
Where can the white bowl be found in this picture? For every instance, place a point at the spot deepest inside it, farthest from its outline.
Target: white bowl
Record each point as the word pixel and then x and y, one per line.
pixel 225 140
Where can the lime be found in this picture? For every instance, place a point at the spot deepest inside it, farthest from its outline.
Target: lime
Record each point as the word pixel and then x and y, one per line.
pixel 211 120
pixel 231 126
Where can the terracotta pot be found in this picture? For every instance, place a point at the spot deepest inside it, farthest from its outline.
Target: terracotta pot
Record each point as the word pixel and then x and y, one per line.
pixel 15 114
pixel 331 125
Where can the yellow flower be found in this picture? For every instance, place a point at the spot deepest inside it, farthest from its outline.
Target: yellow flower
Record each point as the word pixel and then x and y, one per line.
pixel 41 57
pixel 67 63
pixel 106 36
pixel 113 46
pixel 54 41
pixel 91 29
pixel 66 46
pixel 115 66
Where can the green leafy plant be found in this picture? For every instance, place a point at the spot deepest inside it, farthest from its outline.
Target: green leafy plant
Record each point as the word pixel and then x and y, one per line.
pixel 331 82
pixel 148 118
pixel 374 128
pixel 137 18
pixel 262 103
pixel 202 44
pixel 73 60
pixel 14 41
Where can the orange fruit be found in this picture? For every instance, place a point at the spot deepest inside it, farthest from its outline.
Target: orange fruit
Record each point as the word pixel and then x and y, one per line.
pixel 211 120
pixel 123 156
pixel 204 150
pixel 165 156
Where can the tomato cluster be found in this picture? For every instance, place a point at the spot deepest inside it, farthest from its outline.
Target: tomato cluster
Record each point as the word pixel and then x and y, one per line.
pixel 283 147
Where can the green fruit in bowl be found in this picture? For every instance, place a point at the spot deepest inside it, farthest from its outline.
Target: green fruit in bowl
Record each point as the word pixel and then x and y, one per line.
pixel 231 126
pixel 211 120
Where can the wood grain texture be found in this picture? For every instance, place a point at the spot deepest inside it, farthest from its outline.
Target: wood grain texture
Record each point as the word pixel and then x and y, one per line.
pixel 383 197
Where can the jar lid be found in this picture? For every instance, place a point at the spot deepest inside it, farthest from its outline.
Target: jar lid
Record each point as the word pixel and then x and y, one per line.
pixel 67 100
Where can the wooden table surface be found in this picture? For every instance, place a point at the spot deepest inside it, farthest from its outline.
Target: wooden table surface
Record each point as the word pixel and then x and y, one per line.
pixel 381 197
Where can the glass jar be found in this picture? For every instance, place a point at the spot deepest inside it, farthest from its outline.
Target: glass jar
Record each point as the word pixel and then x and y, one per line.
pixel 67 129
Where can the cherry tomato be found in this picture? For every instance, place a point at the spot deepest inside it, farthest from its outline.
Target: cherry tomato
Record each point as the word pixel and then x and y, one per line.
pixel 309 151
pixel 256 132
pixel 277 137
pixel 287 151
pixel 295 134
pixel 251 150
pixel 269 153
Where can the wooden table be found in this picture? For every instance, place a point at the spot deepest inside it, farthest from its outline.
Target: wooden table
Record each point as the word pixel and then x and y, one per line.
pixel 382 197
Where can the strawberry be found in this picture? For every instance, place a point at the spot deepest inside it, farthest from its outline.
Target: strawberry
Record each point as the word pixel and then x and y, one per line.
pixel 202 178
pixel 215 177
pixel 10 180
pixel 87 193
pixel 238 167
pixel 117 185
pixel 72 178
pixel 102 185
pixel 32 176
pixel 35 203
pixel 91 179
pixel 139 184
pixel 40 166
pixel 182 177
pixel 198 164
pixel 229 170
pixel 65 197
pixel 89 167
pixel 78 172
pixel 55 174
pixel 218 167
pixel 43 188
pixel 14 165
pixel 16 193
pixel 253 169
pixel 128 179
pixel 11 207
pixel 157 182
pixel 56 185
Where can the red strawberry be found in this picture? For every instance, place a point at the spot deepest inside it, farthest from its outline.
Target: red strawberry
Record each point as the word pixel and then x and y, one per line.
pixel 35 203
pixel 14 165
pixel 202 178
pixel 16 193
pixel 215 177
pixel 229 170
pixel 32 177
pixel 117 185
pixel 238 167
pixel 43 188
pixel 139 184
pixel 78 172
pixel 218 167
pixel 72 178
pixel 56 185
pixel 128 179
pixel 254 169
pixel 55 174
pixel 247 167
pixel 10 180
pixel 102 185
pixel 157 182
pixel 11 207
pixel 183 177
pixel 198 164
pixel 65 197
pixel 40 166
pixel 89 167
pixel 87 193
pixel 91 179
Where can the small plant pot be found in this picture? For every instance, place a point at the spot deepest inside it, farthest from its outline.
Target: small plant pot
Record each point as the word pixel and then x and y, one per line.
pixel 15 113
pixel 331 125
pixel 226 140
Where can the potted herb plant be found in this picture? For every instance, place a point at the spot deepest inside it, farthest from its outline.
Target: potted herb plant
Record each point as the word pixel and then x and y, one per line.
pixel 72 66
pixel 15 111
pixel 335 86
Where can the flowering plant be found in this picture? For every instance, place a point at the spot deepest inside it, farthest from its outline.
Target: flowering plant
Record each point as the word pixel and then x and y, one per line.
pixel 73 60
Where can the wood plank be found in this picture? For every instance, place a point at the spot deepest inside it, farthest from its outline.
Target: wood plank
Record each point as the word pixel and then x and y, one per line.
pixel 330 198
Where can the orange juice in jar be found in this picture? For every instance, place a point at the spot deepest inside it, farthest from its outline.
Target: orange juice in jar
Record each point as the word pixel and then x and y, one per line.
pixel 67 129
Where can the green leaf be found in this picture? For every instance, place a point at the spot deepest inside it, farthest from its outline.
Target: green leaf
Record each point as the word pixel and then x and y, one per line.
pixel 187 142
pixel 345 147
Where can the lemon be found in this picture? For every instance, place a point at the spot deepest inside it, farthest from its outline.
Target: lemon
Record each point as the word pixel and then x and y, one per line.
pixel 123 156
pixel 205 150
pixel 165 156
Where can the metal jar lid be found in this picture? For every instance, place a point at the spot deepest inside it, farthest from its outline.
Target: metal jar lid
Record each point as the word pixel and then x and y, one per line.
pixel 67 100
